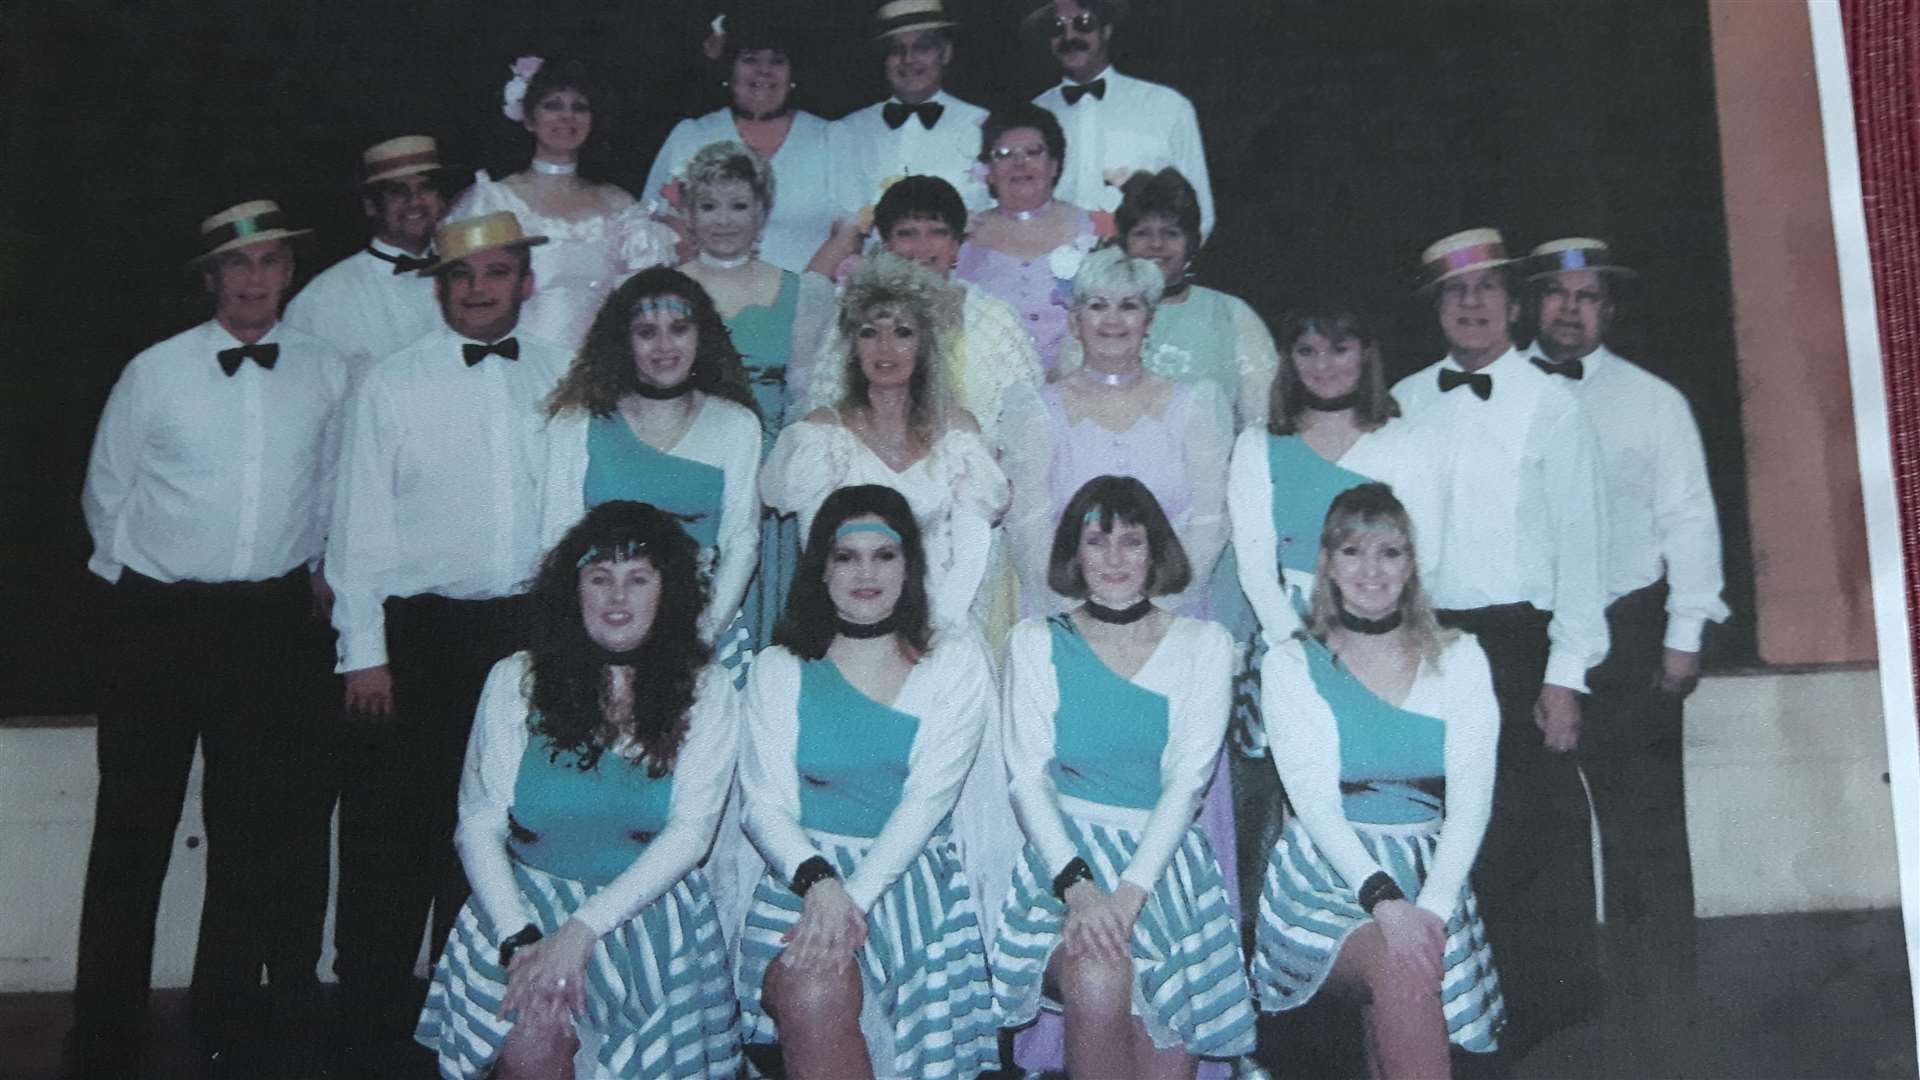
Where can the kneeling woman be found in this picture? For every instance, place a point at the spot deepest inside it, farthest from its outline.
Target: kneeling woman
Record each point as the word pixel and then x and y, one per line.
pixel 595 775
pixel 1383 729
pixel 1115 715
pixel 862 954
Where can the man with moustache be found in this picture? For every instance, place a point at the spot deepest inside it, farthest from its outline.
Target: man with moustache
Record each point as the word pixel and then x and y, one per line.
pixel 435 533
pixel 1663 586
pixel 1522 567
pixel 921 130
pixel 1115 124
pixel 991 362
pixel 207 496
pixel 374 302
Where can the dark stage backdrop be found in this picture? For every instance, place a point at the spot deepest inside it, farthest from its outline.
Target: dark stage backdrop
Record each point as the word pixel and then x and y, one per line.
pixel 1342 138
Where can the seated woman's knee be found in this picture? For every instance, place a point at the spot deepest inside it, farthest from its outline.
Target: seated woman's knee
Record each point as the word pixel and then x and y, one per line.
pixel 803 994
pixel 540 1046
pixel 1095 984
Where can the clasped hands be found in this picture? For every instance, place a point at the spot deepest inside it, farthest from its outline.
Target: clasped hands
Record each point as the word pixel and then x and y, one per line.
pixel 547 980
pixel 1099 923
pixel 830 929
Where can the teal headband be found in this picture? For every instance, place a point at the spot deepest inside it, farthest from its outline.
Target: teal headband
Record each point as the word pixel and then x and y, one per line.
pixel 623 551
pixel 669 303
pixel 853 527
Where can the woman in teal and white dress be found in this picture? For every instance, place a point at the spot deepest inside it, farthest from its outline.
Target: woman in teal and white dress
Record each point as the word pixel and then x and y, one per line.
pixel 655 409
pixel 1383 730
pixel 594 778
pixel 1115 712
pixel 776 318
pixel 862 954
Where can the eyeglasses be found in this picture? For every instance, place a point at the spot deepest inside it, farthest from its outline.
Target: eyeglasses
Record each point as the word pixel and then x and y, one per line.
pixel 1019 153
pixel 1086 23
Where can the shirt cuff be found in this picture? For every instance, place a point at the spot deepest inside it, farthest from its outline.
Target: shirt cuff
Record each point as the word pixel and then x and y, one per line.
pixel 359 651
pixel 1566 669
pixel 1684 632
pixel 106 569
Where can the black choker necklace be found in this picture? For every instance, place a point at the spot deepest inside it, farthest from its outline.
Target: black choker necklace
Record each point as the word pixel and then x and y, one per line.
pixel 607 657
pixel 1358 625
pixel 866 631
pixel 662 393
pixel 1333 404
pixel 1132 613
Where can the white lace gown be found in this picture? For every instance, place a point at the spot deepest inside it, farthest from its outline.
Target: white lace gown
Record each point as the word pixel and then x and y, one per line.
pixel 581 263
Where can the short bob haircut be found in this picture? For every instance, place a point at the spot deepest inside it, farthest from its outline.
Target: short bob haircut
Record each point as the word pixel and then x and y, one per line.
pixel 568 677
pixel 1288 398
pixel 1164 194
pixel 1373 506
pixel 1024 115
pixel 762 26
pixel 886 285
pixel 809 623
pixel 1110 501
pixel 1113 272
pixel 717 163
pixel 920 197
pixel 603 371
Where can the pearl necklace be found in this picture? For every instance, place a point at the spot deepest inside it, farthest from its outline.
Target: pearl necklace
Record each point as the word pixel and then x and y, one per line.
pixel 555 168
pixel 1118 379
pixel 1026 215
pixel 719 263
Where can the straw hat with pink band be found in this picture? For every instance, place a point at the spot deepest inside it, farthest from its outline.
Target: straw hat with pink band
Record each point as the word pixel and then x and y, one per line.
pixel 253 222
pixel 408 155
pixel 1462 253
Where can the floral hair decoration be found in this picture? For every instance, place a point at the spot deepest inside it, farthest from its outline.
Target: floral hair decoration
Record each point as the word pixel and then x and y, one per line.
pixel 513 96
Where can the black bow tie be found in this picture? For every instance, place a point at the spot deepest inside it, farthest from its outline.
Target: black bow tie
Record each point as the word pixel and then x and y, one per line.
pixel 1073 93
pixel 1572 369
pixel 1479 381
pixel 403 264
pixel 507 347
pixel 231 359
pixel 895 113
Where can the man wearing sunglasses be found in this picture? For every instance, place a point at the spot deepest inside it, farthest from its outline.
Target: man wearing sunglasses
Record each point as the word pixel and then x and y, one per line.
pixel 1115 124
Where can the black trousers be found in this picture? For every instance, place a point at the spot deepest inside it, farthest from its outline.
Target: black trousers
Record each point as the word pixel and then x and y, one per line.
pixel 1534 876
pixel 399 782
pixel 1631 749
pixel 238 668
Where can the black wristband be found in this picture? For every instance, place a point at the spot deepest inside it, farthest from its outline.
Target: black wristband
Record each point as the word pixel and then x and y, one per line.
pixel 1074 872
pixel 1379 886
pixel 811 873
pixel 526 935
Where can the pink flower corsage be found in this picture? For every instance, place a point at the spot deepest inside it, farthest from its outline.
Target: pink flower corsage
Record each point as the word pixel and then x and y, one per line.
pixel 715 43
pixel 673 191
pixel 1103 226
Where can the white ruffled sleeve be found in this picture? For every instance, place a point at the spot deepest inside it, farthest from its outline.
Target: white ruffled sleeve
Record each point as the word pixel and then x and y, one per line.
pixel 816 311
pixel 978 494
pixel 1256 548
pixel 809 461
pixel 1256 360
pixel 1027 729
pixel 956 705
pixel 1472 716
pixel 769 778
pixel 702 773
pixel 486 196
pixel 1026 456
pixel 1206 441
pixel 494 748
pixel 1305 740
pixel 642 241
pixel 1196 726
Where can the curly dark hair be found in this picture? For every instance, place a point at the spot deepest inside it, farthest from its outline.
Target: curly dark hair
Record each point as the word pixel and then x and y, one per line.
pixel 568 674
pixel 602 372
pixel 809 624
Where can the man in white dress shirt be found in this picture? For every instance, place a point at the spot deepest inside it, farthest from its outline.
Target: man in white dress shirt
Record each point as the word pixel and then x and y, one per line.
pixel 207 496
pixel 1115 124
pixel 374 302
pixel 1523 569
pixel 921 130
pixel 1663 586
pixel 435 535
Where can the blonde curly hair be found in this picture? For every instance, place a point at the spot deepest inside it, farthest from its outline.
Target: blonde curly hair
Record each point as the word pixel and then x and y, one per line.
pixel 717 163
pixel 886 285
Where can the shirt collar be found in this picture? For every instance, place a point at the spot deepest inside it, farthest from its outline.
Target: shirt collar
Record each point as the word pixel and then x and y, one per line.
pixel 1106 73
pixel 224 339
pixel 939 97
pixel 1491 369
pixel 389 250
pixel 1600 359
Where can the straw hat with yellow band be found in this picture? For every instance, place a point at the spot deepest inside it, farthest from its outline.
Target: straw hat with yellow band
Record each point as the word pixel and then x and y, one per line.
pixel 470 236
pixel 408 155
pixel 253 222
pixel 1573 253
pixel 1462 253
pixel 900 16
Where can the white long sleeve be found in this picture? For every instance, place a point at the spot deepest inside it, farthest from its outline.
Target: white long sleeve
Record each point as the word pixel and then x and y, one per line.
pixel 1255 545
pixel 1192 668
pixel 949 692
pixel 1257 360
pixel 1306 751
pixel 1027 447
pixel 1207 444
pixel 702 773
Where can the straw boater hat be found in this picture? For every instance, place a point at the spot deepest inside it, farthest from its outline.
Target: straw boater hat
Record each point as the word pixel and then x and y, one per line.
pixel 408 155
pixel 471 236
pixel 1039 21
pixel 253 222
pixel 900 16
pixel 1462 253
pixel 1573 253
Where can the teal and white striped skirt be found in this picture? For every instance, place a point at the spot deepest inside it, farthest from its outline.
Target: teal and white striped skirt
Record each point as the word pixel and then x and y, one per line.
pixel 923 966
pixel 659 1000
pixel 1189 976
pixel 1307 911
